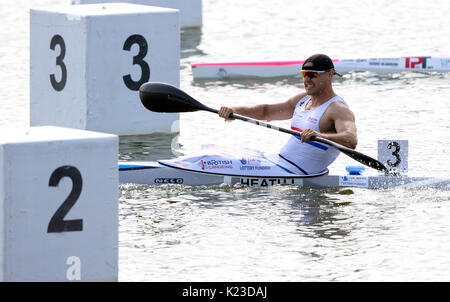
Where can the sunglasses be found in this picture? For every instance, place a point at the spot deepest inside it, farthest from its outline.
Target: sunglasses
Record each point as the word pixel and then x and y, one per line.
pixel 312 73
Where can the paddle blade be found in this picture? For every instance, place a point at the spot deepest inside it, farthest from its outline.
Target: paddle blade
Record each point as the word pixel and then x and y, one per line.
pixel 161 97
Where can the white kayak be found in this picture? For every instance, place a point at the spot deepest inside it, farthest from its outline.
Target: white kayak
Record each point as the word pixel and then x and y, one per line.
pixel 217 165
pixel 231 70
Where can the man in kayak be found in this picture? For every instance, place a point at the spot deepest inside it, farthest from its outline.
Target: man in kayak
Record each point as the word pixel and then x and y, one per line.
pixel 316 112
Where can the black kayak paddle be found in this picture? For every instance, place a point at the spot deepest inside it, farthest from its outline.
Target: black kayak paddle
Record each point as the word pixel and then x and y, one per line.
pixel 161 97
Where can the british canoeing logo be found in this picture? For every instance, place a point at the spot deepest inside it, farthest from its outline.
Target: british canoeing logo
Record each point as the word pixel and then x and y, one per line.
pixel 215 164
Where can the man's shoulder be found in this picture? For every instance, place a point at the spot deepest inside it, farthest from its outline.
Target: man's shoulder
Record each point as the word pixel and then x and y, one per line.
pixel 339 103
pixel 339 107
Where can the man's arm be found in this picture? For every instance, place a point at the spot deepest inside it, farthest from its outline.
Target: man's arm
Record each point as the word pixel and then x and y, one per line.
pixel 343 121
pixel 267 112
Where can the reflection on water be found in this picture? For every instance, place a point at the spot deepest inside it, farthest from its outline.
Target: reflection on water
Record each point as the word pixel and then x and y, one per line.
pixel 281 233
pixel 307 212
pixel 250 83
pixel 190 41
pixel 318 211
pixel 150 147
pixel 197 232
pixel 370 78
pixel 361 77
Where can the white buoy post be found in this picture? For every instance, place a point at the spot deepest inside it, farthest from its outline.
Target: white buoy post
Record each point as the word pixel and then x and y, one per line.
pixel 190 10
pixel 88 61
pixel 58 205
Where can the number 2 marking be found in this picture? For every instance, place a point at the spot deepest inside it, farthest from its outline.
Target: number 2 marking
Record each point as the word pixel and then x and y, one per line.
pixel 395 153
pixel 58 40
pixel 57 224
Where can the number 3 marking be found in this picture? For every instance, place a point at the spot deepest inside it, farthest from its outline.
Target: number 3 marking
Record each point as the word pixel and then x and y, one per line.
pixel 395 153
pixel 57 224
pixel 137 60
pixel 58 40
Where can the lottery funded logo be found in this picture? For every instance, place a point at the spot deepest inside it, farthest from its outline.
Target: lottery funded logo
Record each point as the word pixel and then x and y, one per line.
pixel 252 164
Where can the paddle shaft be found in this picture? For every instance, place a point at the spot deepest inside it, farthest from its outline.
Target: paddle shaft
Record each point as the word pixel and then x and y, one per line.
pixel 256 122
pixel 362 158
pixel 296 133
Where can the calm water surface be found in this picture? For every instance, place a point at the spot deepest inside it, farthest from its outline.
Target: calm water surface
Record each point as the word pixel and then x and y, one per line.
pixel 283 233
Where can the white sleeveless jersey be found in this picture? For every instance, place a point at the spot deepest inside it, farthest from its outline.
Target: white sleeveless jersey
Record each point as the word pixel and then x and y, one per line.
pixel 309 157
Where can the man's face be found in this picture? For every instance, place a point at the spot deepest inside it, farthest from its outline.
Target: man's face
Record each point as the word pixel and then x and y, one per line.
pixel 316 85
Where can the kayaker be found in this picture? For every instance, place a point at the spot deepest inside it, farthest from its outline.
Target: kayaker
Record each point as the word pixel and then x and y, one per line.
pixel 316 112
